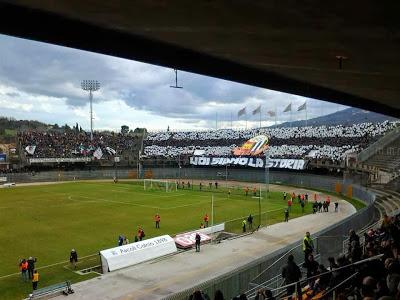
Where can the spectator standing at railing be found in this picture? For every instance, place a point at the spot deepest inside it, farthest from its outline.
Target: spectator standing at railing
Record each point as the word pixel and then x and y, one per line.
pixel 353 237
pixel 250 221
pixel 292 274
pixel 323 280
pixel 308 246
pixel 332 263
pixel 218 295
pixel 312 269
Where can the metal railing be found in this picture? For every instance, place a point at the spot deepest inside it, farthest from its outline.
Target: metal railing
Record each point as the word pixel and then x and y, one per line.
pixel 281 258
pixel 379 145
pixel 275 282
pixel 279 290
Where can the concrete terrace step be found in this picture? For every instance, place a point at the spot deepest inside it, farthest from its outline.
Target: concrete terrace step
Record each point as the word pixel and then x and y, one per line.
pixel 382 208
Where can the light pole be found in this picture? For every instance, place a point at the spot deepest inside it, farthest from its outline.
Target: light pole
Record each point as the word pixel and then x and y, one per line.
pixel 266 169
pixel 91 86
pixel 116 161
pixel 226 175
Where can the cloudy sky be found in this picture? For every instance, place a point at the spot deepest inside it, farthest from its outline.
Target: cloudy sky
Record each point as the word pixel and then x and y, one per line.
pixel 41 82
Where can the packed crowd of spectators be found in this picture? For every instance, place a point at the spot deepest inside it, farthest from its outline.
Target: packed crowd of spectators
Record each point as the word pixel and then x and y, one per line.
pixel 370 269
pixel 321 142
pixel 71 144
pixel 285 151
pixel 330 142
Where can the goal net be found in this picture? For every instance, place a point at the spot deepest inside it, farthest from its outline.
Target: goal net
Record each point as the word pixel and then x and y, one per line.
pixel 159 185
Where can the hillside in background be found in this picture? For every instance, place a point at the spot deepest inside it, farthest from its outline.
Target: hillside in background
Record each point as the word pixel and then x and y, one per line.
pixel 10 126
pixel 347 116
pixel 13 124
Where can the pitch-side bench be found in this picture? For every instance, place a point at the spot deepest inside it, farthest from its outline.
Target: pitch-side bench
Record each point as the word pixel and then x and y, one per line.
pixel 64 287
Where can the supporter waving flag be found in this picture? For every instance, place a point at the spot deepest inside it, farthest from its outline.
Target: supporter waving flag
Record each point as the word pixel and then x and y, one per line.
pixel 30 149
pixel 98 153
pixel 111 151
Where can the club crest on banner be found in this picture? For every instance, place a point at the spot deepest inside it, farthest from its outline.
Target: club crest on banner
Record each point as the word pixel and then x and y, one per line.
pixel 253 147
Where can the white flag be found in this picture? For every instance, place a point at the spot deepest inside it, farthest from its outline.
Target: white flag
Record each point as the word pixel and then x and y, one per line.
pixel 288 108
pixel 30 149
pixel 111 151
pixel 257 110
pixel 303 106
pixel 198 152
pixel 98 153
pixel 242 112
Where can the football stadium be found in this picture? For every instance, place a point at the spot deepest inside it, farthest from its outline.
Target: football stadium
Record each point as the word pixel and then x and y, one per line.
pixel 209 150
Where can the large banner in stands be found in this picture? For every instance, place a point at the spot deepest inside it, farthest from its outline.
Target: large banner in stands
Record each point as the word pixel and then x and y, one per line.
pixel 132 254
pixel 255 162
pixel 59 160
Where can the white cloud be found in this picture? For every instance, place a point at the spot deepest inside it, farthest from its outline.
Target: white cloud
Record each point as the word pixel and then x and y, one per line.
pixel 42 81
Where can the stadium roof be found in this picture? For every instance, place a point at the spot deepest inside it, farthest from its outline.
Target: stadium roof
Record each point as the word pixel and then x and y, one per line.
pixel 289 46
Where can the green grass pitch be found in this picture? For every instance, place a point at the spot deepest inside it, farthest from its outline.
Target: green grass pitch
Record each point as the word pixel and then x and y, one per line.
pixel 47 221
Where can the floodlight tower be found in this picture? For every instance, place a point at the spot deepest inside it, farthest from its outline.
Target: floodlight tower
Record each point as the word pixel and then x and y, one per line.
pixel 91 86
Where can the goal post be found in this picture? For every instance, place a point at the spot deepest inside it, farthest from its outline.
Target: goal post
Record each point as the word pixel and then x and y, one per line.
pixel 160 185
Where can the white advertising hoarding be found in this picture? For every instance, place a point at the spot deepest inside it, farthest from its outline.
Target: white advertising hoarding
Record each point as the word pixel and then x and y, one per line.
pixel 59 160
pixel 132 254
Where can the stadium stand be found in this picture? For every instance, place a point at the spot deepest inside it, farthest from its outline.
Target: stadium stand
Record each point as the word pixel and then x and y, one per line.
pixel 71 144
pixel 387 158
pixel 320 142
pixel 367 267
pixel 46 149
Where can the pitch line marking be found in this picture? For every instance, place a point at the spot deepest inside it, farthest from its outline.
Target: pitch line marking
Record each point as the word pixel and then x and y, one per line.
pixel 134 204
pixel 158 196
pixel 48 266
